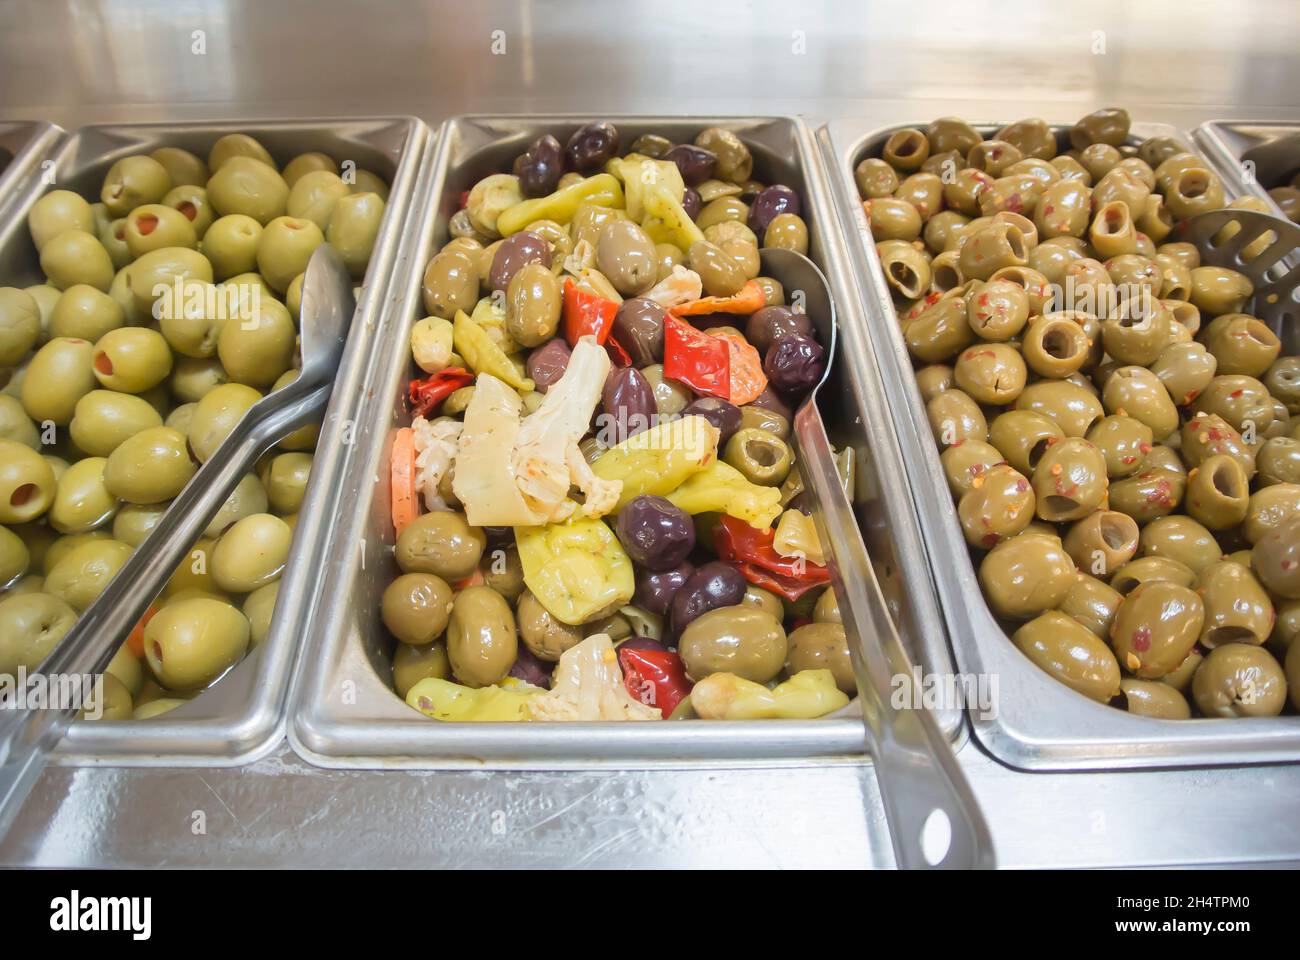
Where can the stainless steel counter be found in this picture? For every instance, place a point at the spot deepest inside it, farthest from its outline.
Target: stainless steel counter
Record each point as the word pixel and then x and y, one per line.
pixel 1182 62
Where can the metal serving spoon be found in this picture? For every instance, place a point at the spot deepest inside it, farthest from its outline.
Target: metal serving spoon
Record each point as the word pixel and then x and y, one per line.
pixel 1276 298
pixel 925 796
pixel 27 737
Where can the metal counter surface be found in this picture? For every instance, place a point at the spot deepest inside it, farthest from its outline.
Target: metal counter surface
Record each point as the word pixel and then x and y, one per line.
pixel 1182 62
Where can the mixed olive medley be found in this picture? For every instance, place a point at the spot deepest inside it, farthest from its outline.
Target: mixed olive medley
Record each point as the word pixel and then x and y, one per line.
pixel 170 306
pixel 1121 437
pixel 598 510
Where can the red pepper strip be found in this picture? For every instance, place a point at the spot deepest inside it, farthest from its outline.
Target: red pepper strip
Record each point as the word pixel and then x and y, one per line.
pixel 696 359
pixel 426 394
pixel 656 678
pixel 617 355
pixel 747 380
pixel 586 315
pixel 752 549
pixel 750 299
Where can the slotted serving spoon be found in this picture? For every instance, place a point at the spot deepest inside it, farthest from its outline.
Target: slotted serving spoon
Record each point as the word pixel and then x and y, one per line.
pixel 27 737
pixel 933 818
pixel 1276 300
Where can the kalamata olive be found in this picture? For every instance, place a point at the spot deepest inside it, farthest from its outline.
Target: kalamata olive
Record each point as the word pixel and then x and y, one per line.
pixel 656 534
pixel 713 585
pixel 530 669
pixel 769 204
pixel 723 415
pixel 794 364
pixel 592 146
pixel 498 538
pixel 540 167
pixel 547 363
pixel 655 591
pixel 639 329
pixel 642 643
pixel 514 253
pixel 629 407
pixel 692 203
pixel 769 324
pixel 695 163
pixel 769 399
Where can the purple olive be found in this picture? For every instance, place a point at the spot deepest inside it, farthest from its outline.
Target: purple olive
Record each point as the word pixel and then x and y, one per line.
pixel 794 364
pixel 547 363
pixel 692 203
pixel 695 163
pixel 655 591
pixel 540 167
pixel 516 252
pixel 592 146
pixel 723 415
pixel 769 399
pixel 639 329
pixel 530 669
pixel 713 585
pixel 629 406
pixel 656 534
pixel 642 643
pixel 769 324
pixel 769 204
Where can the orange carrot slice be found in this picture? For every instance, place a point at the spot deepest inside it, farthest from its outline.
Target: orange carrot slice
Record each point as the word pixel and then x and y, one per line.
pixel 405 499
pixel 747 377
pixel 750 299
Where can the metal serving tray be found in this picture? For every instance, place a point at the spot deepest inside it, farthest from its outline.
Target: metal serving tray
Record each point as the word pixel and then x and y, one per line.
pixel 1040 724
pixel 242 716
pixel 344 711
pixel 23 145
pixel 1224 141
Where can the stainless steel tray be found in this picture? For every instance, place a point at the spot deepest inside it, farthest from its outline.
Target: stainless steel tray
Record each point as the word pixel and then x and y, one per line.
pixel 344 712
pixel 1040 724
pixel 1224 141
pixel 23 145
pixel 242 716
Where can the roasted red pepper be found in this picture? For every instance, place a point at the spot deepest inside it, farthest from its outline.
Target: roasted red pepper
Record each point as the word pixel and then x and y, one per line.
pixel 426 394
pixel 752 550
pixel 586 315
pixel 657 678
pixel 696 359
pixel 617 355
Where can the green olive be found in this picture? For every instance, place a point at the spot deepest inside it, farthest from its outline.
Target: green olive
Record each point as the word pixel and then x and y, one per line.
pixel 1025 575
pixel 27 483
pixel 533 303
pixel 150 466
pixel 737 639
pixel 154 226
pixel 15 558
pixel 1183 539
pixel 314 194
pixel 543 634
pixel 192 327
pixel 416 607
pixel 671 397
pixel 62 546
pixel 1093 604
pixel 440 542
pixel 193 378
pixel 249 186
pixel 85 313
pixel 20 325
pixel 84 571
pixel 762 457
pixel 193 204
pixel 251 553
pixel 1239 680
pixel 481 640
pixel 503 572
pixel 15 425
pixel 135 521
pixel 821 646
pixel 720 275
pixel 411 664
pixel 159 273
pixel 134 181
pixel 286 479
pixel 30 625
pixel 81 501
pixel 286 245
pixel 258 350
pixel 131 359
pixel 1146 698
pixel 1156 627
pixel 764 600
pixel 231 245
pixel 59 375
pixel 353 229
pixel 451 283
pixel 217 414
pixel 1068 651
pixel 237 145
pixel 182 166
pixel 127 669
pixel 753 417
pixel 192 642
pixel 74 257
pixel 57 212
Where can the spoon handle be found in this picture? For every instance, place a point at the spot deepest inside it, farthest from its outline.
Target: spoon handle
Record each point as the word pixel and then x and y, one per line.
pixel 27 736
